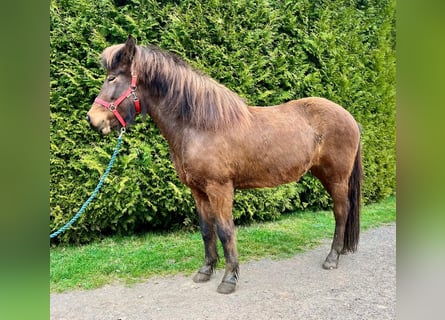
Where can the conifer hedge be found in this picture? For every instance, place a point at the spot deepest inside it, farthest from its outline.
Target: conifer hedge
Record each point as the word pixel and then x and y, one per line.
pixel 266 51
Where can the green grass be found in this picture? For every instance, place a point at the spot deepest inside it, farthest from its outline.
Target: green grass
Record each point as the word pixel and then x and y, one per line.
pixel 135 258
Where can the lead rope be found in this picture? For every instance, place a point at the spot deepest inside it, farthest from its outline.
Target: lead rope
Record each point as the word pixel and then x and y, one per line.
pixel 99 185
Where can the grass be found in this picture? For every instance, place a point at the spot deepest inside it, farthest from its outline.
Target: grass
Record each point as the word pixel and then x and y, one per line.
pixel 135 258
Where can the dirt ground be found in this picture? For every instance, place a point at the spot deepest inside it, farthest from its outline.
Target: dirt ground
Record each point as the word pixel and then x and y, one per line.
pixel 363 287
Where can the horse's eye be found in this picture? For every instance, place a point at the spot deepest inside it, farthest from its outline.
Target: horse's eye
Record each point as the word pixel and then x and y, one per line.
pixel 111 78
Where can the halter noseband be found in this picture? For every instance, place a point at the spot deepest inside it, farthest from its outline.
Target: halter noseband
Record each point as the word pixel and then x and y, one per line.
pixel 112 106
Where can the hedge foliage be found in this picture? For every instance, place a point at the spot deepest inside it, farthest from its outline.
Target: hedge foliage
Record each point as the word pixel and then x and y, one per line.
pixel 266 51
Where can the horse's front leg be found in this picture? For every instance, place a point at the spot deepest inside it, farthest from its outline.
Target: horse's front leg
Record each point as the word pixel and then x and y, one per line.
pixel 226 233
pixel 208 236
pixel 221 202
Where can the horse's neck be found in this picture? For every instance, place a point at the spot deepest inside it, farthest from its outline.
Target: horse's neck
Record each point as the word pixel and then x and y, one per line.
pixel 168 123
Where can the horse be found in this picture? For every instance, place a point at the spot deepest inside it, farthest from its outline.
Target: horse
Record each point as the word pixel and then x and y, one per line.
pixel 218 143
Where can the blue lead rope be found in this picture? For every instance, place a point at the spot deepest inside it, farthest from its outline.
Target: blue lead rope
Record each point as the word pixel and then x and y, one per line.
pixel 93 195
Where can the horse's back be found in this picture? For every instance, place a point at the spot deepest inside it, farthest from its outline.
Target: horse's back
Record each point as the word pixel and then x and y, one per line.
pixel 325 118
pixel 331 127
pixel 319 112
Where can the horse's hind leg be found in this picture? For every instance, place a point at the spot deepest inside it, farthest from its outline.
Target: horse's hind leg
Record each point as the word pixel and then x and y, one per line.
pixel 343 183
pixel 339 193
pixel 336 184
pixel 208 231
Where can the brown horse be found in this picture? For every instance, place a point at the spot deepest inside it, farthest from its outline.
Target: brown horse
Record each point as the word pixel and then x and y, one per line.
pixel 218 143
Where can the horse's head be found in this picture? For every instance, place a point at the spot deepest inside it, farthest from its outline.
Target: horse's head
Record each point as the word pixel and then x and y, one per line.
pixel 117 104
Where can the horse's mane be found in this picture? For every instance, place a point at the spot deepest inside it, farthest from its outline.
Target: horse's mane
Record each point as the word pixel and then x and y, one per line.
pixel 195 98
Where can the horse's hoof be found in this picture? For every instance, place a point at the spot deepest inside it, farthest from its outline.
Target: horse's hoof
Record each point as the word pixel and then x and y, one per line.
pixel 203 274
pixel 226 287
pixel 329 265
pixel 201 277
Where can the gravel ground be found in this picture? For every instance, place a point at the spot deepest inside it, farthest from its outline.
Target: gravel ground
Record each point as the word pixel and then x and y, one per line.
pixel 363 287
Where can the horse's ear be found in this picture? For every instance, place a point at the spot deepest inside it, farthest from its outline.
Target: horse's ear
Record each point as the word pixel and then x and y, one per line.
pixel 129 50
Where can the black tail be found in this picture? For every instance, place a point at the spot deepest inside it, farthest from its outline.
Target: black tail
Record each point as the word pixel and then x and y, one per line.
pixel 352 230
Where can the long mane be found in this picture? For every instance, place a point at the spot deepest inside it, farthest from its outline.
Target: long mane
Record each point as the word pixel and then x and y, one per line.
pixel 195 98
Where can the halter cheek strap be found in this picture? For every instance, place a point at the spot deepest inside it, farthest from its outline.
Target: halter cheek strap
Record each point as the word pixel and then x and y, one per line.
pixel 112 106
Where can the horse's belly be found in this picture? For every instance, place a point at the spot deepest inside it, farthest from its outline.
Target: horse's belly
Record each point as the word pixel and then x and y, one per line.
pixel 268 177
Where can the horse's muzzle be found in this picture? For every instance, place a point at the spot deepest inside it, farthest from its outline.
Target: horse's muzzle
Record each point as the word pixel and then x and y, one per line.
pixel 100 125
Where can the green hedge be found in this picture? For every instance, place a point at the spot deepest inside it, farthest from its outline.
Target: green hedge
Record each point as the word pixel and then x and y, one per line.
pixel 266 51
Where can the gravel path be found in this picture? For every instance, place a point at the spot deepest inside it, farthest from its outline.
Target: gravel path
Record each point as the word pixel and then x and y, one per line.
pixel 363 287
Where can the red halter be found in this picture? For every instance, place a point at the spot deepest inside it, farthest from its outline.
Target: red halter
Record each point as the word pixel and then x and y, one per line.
pixel 112 106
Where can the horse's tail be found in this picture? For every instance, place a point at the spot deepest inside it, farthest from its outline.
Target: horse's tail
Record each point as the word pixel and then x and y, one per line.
pixel 352 229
